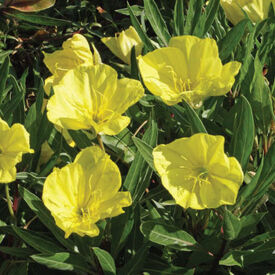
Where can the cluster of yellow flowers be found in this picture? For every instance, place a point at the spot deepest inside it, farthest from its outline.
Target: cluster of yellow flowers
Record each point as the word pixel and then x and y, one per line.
pixel 89 96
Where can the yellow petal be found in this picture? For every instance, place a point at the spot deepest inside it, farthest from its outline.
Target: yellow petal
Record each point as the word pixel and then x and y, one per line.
pixel 256 10
pixel 121 44
pixel 129 91
pixel 189 68
pixel 101 170
pixel 197 172
pixel 75 51
pixel 81 193
pixel 113 207
pixel 161 72
pixel 94 100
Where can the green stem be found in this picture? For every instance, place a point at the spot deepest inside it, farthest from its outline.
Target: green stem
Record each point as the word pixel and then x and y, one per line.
pixel 100 142
pixel 9 201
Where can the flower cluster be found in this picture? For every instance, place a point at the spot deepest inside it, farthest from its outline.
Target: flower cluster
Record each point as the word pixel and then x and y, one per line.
pixel 89 96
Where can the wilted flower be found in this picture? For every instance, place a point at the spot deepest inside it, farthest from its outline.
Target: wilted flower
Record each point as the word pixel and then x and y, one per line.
pixel 76 51
pixel 92 98
pixel 256 10
pixel 189 69
pixel 14 142
pixel 123 42
pixel 84 192
pixel 197 172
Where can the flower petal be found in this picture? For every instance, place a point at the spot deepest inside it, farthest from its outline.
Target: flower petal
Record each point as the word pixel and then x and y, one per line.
pixel 161 72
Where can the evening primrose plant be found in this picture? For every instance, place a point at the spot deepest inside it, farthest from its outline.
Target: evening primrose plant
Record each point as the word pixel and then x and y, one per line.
pixel 161 165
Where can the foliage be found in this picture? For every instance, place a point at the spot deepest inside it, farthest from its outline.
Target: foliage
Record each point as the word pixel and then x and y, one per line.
pixel 154 235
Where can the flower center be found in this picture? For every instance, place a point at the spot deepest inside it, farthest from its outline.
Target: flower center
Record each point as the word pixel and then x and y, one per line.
pixel 186 85
pixel 83 213
pixel 202 174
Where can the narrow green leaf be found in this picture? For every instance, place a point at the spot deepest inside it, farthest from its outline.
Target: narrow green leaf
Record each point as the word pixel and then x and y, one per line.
pixel 17 97
pixel 156 20
pixel 187 113
pixel 139 174
pixel 44 215
pixel 210 13
pixel 21 252
pixel 137 10
pixel 243 133
pixel 38 241
pixel 106 261
pixel 189 17
pixel 167 235
pixel 62 261
pixel 134 66
pixel 249 223
pixel 4 72
pixel 39 19
pixel 268 173
pixel 135 264
pixel 143 36
pixel 260 98
pixel 232 39
pixel 145 150
pixel 231 226
pixel 179 18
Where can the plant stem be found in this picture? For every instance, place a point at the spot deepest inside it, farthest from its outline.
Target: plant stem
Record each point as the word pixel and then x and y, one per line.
pixel 9 201
pixel 101 145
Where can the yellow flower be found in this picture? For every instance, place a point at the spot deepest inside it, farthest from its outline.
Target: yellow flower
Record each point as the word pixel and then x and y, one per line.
pixel 92 98
pixel 84 192
pixel 189 68
pixel 256 10
pixel 123 42
pixel 76 51
pixel 197 172
pixel 14 142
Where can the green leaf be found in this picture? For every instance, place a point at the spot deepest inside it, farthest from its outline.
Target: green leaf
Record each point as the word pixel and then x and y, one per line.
pixel 17 97
pixel 79 137
pixel 137 10
pixel 260 99
pixel 157 22
pixel 234 258
pixel 62 261
pixel 243 133
pixel 231 226
pixel 187 113
pixel 145 150
pixel 268 173
pixel 249 223
pixel 179 18
pixel 232 39
pixel 125 224
pixel 21 252
pixel 139 174
pixel 135 264
pixel 210 13
pixel 167 235
pixel 134 65
pixel 4 72
pixel 106 261
pixel 44 215
pixel 143 36
pixel 37 240
pixel 39 19
pixel 30 5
